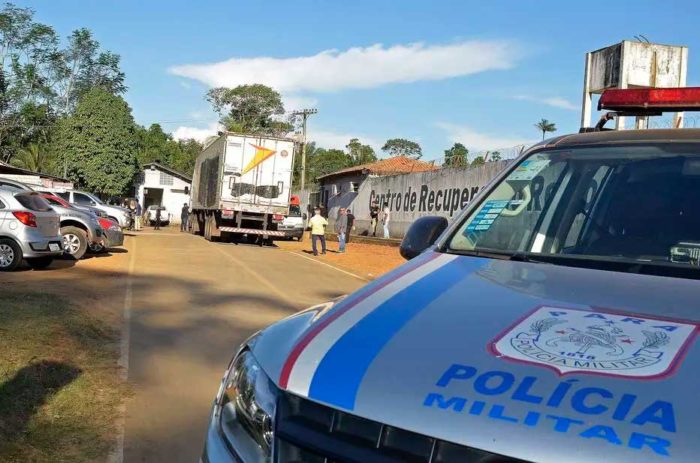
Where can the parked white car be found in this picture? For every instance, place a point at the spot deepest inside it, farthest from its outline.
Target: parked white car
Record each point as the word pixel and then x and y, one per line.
pixel 151 214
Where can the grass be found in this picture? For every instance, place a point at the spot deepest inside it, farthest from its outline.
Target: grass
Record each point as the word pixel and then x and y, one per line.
pixel 59 383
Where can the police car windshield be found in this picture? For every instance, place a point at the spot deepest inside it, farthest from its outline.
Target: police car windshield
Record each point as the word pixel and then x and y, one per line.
pixel 636 204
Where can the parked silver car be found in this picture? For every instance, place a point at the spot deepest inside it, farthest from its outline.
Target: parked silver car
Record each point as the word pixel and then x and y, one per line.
pixel 29 230
pixel 82 198
pixel 80 230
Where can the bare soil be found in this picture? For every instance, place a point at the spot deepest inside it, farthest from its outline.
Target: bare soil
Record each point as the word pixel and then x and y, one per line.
pixel 369 261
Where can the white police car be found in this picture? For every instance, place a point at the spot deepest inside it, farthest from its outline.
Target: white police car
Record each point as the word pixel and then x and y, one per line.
pixel 553 321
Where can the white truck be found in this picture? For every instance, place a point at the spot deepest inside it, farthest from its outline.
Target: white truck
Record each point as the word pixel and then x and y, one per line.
pixel 241 187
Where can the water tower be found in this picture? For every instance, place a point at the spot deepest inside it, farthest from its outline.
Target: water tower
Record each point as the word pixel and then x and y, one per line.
pixel 633 65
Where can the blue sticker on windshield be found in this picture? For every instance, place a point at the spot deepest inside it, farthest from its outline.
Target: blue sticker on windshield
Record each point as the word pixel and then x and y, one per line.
pixel 485 218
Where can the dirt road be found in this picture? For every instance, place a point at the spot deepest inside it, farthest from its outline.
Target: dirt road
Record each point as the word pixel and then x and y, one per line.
pixel 191 303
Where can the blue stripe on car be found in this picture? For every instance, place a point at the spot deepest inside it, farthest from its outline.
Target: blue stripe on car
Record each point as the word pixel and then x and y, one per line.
pixel 340 372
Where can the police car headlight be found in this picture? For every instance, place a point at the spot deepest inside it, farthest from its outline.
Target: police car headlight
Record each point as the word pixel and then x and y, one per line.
pixel 246 404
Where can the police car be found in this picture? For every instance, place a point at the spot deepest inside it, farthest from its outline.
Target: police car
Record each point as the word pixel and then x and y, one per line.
pixel 553 321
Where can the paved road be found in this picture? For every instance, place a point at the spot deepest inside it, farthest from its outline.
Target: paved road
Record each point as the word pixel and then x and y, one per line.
pixel 193 302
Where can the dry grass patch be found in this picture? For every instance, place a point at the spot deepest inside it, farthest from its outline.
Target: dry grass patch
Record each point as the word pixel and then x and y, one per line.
pixel 59 383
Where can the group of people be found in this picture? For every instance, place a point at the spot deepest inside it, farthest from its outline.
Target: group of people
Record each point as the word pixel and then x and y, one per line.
pixel 376 215
pixel 344 224
pixel 137 213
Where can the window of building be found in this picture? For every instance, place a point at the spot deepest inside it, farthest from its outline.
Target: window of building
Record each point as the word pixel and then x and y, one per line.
pixel 166 179
pixel 141 178
pixel 354 187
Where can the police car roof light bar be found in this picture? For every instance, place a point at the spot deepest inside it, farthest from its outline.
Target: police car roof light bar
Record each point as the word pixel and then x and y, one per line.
pixel 650 101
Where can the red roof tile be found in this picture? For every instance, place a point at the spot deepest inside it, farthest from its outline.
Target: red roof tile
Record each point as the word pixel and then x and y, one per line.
pixel 390 166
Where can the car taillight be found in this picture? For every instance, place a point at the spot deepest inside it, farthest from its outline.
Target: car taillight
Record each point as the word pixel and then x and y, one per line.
pixel 109 225
pixel 277 217
pixel 27 218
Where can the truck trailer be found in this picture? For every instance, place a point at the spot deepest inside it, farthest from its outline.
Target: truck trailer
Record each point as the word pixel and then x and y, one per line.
pixel 241 188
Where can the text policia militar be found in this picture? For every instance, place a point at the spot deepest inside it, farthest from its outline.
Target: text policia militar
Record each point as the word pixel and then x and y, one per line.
pixel 448 200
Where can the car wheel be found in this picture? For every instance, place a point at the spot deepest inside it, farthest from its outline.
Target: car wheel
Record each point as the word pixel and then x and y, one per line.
pixel 10 255
pixel 75 242
pixel 39 263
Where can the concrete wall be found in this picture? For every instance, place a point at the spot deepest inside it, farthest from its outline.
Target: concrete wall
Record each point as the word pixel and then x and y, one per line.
pixel 173 195
pixel 443 192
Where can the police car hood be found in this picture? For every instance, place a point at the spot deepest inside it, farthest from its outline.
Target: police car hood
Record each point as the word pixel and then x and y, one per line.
pixel 540 362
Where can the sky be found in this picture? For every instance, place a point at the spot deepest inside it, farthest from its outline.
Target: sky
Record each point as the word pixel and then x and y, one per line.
pixel 433 71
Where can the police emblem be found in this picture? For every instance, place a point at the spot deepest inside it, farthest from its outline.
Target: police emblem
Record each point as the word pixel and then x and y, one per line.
pixel 583 341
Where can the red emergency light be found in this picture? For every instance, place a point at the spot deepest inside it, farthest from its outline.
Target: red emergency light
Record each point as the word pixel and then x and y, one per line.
pixel 650 100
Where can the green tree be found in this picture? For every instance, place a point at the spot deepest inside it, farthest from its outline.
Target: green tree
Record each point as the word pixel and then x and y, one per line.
pixel 457 156
pixel 359 153
pixel 325 161
pixel 252 108
pixel 156 146
pixel 81 66
pixel 402 147
pixel 545 126
pixel 40 81
pixel 310 153
pixel 97 144
pixel 189 150
pixel 34 157
pixel 495 156
pixel 478 161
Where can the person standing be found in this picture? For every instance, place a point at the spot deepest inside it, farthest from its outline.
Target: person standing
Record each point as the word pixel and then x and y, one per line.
pixel 137 216
pixel 386 215
pixel 351 225
pixel 341 228
pixel 318 231
pixel 184 217
pixel 374 217
pixel 157 225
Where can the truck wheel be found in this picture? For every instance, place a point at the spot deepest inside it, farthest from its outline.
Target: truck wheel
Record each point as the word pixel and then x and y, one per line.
pixel 209 224
pixel 39 263
pixel 207 234
pixel 75 242
pixel 10 255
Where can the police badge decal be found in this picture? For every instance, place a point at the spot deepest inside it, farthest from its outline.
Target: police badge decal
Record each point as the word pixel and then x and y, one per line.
pixel 597 342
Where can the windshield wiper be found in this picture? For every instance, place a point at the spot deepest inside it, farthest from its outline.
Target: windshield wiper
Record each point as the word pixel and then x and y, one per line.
pixel 516 256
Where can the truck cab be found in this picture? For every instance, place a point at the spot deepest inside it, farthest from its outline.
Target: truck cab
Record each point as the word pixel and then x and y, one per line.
pixel 553 320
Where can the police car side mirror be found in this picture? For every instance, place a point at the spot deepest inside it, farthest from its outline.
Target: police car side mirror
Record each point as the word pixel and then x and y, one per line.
pixel 422 234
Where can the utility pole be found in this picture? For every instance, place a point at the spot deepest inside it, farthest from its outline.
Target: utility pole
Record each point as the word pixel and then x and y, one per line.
pixel 304 113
